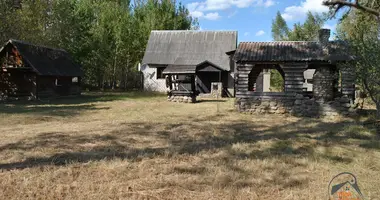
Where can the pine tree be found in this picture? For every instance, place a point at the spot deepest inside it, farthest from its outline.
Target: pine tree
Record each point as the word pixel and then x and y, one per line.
pixel 280 30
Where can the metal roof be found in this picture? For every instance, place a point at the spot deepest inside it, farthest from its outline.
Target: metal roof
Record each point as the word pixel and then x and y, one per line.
pixel 292 51
pixel 190 47
pixel 47 61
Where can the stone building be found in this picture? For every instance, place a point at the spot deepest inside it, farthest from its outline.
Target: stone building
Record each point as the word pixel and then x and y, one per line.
pixel 333 80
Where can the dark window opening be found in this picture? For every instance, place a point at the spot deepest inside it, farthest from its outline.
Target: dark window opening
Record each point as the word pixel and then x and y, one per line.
pixel 160 75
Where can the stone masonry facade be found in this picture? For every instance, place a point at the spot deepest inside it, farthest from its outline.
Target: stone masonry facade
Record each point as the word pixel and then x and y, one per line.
pixel 182 99
pixel 297 105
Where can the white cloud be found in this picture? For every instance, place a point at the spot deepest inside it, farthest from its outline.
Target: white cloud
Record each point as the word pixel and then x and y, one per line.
pixel 246 33
pixel 212 16
pixel 260 33
pixel 209 16
pixel 231 14
pixel 296 12
pixel 214 5
pixel 267 3
pixel 197 14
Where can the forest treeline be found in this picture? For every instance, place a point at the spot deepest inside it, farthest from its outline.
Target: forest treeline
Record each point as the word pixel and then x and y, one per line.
pixel 107 37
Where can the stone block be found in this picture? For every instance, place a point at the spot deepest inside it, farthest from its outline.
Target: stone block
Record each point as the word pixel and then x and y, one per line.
pixel 298 102
pixel 256 102
pixel 265 104
pixel 273 103
pixel 336 104
pixel 344 99
pixel 281 111
pixel 351 110
pixel 274 108
pixel 346 105
pixel 299 96
pixel 288 103
pixel 309 102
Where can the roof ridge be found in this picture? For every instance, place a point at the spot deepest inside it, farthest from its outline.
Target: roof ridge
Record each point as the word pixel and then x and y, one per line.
pixel 35 45
pixel 281 41
pixel 194 31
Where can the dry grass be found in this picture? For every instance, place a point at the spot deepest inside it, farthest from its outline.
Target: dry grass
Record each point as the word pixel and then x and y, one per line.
pixel 133 146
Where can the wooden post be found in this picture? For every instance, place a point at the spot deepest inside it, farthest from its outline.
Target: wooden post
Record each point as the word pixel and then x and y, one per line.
pixel 170 82
pixel 193 83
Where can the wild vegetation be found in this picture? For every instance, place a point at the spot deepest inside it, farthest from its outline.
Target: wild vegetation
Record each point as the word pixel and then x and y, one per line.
pixel 360 27
pixel 107 38
pixel 139 146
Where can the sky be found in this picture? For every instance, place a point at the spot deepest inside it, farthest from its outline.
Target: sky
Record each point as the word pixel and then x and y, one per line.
pixel 252 18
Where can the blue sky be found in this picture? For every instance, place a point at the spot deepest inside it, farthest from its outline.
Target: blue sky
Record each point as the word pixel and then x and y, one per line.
pixel 252 18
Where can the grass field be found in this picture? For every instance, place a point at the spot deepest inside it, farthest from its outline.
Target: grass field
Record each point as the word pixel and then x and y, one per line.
pixel 138 146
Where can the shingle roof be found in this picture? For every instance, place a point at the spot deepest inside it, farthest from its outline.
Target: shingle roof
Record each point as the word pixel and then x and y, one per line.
pixel 190 47
pixel 180 69
pixel 47 61
pixel 292 51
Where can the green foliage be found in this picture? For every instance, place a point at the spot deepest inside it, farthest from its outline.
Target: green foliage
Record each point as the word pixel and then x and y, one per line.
pixel 280 30
pixel 276 81
pixel 308 31
pixel 361 31
pixel 107 38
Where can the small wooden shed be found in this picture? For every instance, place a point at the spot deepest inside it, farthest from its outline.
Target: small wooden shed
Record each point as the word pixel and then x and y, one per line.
pixel 31 71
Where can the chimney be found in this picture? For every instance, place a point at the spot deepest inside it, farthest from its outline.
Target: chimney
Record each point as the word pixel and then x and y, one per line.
pixel 323 36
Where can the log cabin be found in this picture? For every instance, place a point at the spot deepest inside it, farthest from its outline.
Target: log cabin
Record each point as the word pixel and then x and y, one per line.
pixel 333 78
pixel 29 71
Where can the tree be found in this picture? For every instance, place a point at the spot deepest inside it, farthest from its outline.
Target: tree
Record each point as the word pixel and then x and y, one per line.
pixel 360 28
pixel 280 30
pixel 308 31
pixel 107 38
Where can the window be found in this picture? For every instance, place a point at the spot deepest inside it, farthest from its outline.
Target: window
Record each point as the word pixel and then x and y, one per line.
pixel 58 82
pixel 159 73
pixel 74 80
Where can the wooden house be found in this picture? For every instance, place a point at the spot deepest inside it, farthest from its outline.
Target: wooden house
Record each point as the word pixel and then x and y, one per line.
pixel 31 71
pixel 333 89
pixel 190 62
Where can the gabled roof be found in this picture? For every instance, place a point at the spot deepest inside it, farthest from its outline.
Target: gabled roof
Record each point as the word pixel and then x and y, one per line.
pixel 46 61
pixel 292 51
pixel 190 47
pixel 205 66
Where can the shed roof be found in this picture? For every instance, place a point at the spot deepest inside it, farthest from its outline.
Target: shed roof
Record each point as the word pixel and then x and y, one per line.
pixel 47 61
pixel 292 51
pixel 190 47
pixel 180 69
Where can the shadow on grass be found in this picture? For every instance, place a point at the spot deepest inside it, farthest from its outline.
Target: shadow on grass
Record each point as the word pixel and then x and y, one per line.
pixel 69 106
pixel 239 140
pixel 295 139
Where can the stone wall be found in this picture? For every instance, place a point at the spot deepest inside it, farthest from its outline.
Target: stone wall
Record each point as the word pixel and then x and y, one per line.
pixel 296 105
pixel 182 99
pixel 323 84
